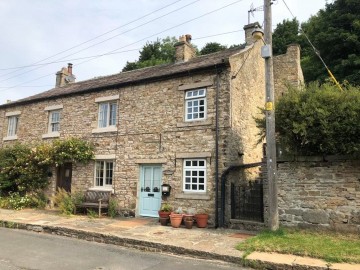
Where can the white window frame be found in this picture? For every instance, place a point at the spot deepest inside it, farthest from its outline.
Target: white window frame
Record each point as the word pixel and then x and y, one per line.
pixel 192 104
pixel 104 163
pixel 52 123
pixel 13 124
pixel 194 170
pixel 107 117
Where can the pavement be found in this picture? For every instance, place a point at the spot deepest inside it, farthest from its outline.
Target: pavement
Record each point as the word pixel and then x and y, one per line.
pixel 147 234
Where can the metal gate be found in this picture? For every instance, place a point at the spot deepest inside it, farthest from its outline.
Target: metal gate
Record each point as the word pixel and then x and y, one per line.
pixel 247 201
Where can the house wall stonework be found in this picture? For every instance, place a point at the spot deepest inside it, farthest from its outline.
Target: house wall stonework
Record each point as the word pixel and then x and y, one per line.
pixel 320 194
pixel 248 95
pixel 151 126
pixel 287 70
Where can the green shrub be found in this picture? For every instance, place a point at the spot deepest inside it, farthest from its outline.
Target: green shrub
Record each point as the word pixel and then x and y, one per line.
pixel 17 202
pixel 91 213
pixel 38 200
pixel 64 202
pixel 112 211
pixel 25 169
pixel 318 120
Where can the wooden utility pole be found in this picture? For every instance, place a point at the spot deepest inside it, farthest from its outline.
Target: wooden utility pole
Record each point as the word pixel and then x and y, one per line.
pixel 270 124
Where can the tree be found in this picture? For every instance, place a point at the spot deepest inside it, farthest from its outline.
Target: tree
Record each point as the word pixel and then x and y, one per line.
pixel 285 33
pixel 318 120
pixel 161 51
pixel 212 47
pixel 335 33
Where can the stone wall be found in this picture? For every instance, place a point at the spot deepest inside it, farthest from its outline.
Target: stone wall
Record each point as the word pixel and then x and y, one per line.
pixel 287 70
pixel 320 193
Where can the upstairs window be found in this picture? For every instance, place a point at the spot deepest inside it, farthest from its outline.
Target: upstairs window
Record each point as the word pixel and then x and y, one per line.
pixel 54 121
pixel 195 175
pixel 107 114
pixel 195 101
pixel 12 125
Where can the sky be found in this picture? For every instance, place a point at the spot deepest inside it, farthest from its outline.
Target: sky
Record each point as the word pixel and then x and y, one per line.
pixel 40 37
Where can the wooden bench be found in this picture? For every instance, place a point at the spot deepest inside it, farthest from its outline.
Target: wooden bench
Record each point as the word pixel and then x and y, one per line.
pixel 95 199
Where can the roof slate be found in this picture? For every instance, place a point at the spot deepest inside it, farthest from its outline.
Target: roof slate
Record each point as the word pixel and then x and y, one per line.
pixel 132 77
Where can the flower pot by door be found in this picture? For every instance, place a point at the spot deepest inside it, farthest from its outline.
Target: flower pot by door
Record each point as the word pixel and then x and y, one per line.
pixel 175 220
pixel 189 223
pixel 201 220
pixel 164 221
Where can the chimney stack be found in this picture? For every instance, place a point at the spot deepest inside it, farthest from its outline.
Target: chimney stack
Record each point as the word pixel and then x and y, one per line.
pixel 249 28
pixel 184 51
pixel 65 76
pixel 70 68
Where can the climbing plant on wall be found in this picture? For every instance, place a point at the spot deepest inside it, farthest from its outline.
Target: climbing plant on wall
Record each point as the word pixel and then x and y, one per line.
pixel 25 169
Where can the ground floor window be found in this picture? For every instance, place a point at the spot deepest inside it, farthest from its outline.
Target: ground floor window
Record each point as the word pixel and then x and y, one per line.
pixel 104 172
pixel 195 175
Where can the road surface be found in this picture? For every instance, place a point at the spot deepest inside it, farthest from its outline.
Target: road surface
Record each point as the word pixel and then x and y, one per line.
pixel 35 251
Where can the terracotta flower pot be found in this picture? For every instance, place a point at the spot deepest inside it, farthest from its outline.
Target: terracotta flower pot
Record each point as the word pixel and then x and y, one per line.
pixel 188 222
pixel 164 221
pixel 201 220
pixel 175 220
pixel 163 214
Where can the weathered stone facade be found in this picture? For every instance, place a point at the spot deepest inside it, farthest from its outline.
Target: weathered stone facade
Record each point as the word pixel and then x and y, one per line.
pixel 287 70
pixel 150 125
pixel 320 193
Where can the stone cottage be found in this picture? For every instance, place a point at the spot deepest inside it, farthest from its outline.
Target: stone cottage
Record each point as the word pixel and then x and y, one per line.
pixel 179 124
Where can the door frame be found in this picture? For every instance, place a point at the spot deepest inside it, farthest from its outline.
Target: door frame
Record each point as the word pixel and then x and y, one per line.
pixel 61 175
pixel 141 168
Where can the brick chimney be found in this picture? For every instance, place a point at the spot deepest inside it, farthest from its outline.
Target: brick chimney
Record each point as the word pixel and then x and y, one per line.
pixel 65 76
pixel 184 51
pixel 249 28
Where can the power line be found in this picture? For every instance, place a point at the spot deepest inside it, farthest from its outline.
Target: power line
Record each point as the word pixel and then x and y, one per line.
pixel 196 18
pixel 113 51
pixel 87 41
pixel 317 52
pixel 106 54
pixel 129 30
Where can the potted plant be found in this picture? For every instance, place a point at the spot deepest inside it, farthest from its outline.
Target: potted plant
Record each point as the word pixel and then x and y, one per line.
pixel 202 220
pixel 164 213
pixel 188 221
pixel 176 218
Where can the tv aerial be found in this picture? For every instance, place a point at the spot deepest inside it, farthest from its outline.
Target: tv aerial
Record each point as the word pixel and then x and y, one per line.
pixel 252 10
pixel 261 8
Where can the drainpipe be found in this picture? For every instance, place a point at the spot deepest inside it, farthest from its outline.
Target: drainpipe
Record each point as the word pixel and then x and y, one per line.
pixel 217 149
pixel 223 182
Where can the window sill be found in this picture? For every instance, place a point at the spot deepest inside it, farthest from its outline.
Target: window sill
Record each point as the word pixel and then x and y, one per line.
pixel 192 196
pixel 10 138
pixel 51 135
pixel 104 130
pixel 206 122
pixel 102 189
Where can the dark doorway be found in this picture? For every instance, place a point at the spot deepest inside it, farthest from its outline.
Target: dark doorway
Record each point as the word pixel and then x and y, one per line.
pixel 64 176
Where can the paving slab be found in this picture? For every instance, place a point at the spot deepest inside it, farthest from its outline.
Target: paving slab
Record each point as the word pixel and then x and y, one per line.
pixel 147 234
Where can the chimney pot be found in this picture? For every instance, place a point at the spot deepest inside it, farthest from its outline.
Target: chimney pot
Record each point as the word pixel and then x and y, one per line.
pixel 70 68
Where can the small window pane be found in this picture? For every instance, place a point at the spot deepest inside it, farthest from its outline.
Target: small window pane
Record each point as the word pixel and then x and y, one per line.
pixel 187 186
pixel 188 163
pixel 201 187
pixel 201 163
pixel 201 173
pixel 194 163
pixel 188 173
pixel 187 179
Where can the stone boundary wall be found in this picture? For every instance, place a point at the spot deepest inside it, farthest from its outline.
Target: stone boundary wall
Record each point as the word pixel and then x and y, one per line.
pixel 320 193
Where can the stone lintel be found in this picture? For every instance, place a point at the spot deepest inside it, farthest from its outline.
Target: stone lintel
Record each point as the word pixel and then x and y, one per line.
pixel 194 85
pixel 193 155
pixel 151 161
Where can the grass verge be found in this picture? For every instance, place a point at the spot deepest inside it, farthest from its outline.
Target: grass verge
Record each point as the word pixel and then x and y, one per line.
pixel 329 246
